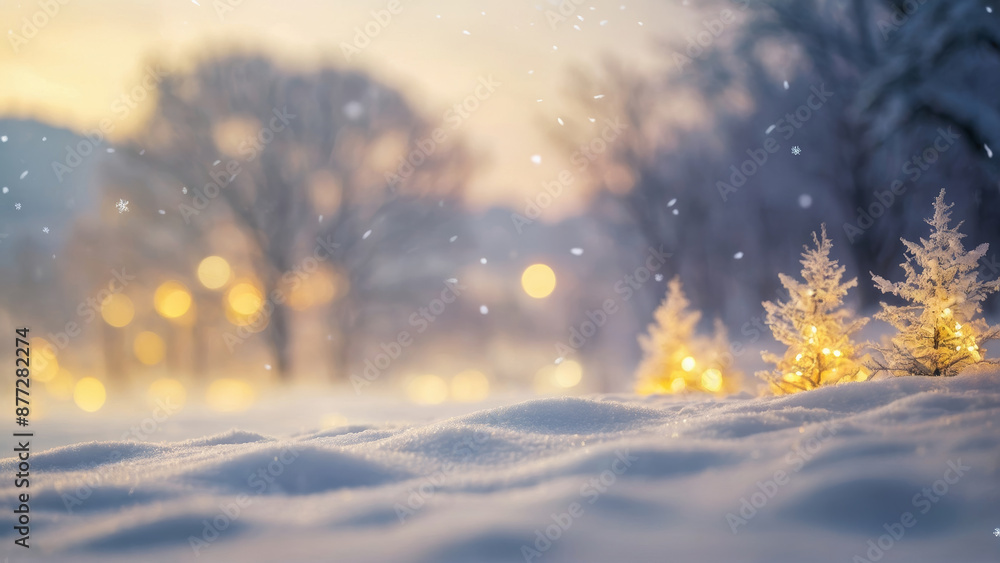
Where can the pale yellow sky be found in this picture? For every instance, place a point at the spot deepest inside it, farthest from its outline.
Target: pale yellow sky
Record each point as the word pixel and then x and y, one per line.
pixel 92 51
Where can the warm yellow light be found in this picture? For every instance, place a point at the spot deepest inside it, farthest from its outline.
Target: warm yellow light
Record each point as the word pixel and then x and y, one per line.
pixel 836 353
pixel 61 385
pixel 971 348
pixel 958 326
pixel 790 377
pixel 44 365
pixel 316 289
pixel 687 364
pixel 946 312
pixel 677 385
pixel 712 379
pixel 167 391
pixel 427 390
pixel 117 310
pixel 799 373
pixel 332 420
pixel 214 272
pixel 538 281
pixel 826 351
pixel 798 357
pixel 172 299
pixel 89 394
pixel 229 395
pixel 568 374
pixel 814 330
pixel 244 298
pixel 148 348
pixel 470 386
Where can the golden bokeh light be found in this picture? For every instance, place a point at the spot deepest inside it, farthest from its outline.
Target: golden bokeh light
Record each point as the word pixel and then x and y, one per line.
pixel 89 394
pixel 332 420
pixel 117 310
pixel 567 374
pixel 687 364
pixel 61 385
pixel 678 384
pixel 214 272
pixel 538 281
pixel 230 395
pixel 167 391
pixel 712 380
pixel 172 299
pixel 470 386
pixel 427 390
pixel 44 365
pixel 317 288
pixel 148 348
pixel 244 298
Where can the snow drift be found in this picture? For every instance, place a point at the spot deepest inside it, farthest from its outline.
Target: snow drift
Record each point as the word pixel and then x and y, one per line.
pixel 899 469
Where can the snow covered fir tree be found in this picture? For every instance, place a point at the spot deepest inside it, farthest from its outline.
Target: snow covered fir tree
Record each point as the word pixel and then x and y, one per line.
pixel 677 358
pixel 940 327
pixel 815 325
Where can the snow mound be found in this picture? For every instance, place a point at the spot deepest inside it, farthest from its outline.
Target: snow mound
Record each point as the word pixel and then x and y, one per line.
pixel 808 477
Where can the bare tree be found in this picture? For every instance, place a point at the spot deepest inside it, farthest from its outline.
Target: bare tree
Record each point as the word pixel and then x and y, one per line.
pixel 292 156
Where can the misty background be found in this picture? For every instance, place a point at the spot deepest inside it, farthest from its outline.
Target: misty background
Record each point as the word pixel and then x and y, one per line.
pixel 350 197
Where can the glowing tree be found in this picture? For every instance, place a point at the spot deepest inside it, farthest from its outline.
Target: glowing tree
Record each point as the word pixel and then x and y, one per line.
pixel 815 326
pixel 940 327
pixel 677 359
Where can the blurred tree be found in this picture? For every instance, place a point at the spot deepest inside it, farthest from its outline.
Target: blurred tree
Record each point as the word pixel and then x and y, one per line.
pixel 677 358
pixel 699 122
pixel 305 164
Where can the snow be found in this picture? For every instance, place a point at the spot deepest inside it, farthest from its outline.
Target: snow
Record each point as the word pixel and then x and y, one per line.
pixel 482 485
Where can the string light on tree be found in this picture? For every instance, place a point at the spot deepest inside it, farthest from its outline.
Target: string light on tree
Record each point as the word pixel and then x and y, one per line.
pixel 814 325
pixel 940 325
pixel 677 359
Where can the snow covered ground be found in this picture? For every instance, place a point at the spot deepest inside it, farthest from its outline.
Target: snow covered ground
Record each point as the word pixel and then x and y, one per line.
pixel 808 477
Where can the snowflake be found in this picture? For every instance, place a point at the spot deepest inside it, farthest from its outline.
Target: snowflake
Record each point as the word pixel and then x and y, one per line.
pixel 796 150
pixel 17 206
pixel 121 206
pixel 45 230
pixel 996 532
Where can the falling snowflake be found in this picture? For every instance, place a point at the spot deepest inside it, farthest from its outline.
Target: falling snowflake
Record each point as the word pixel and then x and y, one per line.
pixel 17 206
pixel 482 260
pixel 738 255
pixel 576 251
pixel 658 277
pixel 483 309
pixel 45 230
pixel 996 532
pixel 122 206
pixel 796 150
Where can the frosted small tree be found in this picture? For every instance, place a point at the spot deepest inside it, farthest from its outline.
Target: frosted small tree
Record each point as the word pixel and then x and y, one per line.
pixel 815 326
pixel 677 358
pixel 940 326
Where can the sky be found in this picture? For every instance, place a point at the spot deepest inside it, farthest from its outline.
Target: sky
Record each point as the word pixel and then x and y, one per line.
pixel 71 70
